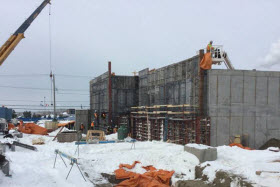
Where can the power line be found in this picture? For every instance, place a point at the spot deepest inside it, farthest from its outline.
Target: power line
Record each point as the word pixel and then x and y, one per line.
pixel 47 75
pixel 33 88
pixel 46 106
pixel 36 101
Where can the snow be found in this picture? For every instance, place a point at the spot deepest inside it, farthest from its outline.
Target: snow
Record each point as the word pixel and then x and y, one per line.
pixel 246 163
pixel 30 168
pixel 112 136
pixel 198 146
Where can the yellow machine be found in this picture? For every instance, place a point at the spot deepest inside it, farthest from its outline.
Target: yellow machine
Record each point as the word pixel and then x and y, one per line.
pixel 12 42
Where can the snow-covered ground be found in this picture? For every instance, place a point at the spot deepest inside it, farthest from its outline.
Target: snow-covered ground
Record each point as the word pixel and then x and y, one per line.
pixel 30 168
pixel 245 163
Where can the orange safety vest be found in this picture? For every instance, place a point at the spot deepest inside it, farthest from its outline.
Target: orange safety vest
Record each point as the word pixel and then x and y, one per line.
pixel 92 124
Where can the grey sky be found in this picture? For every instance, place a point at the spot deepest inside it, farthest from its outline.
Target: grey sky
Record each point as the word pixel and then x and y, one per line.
pixel 133 34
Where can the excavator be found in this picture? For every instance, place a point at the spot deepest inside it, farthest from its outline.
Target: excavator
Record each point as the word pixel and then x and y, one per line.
pixel 13 41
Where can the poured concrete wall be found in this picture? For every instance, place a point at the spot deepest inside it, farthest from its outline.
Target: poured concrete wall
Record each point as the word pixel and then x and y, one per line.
pixel 243 102
pixel 124 96
pixel 173 84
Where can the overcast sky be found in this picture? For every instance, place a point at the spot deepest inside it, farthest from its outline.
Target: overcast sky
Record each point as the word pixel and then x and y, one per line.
pixel 133 34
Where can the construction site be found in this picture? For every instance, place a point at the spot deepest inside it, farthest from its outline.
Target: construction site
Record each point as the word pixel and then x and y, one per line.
pixel 202 121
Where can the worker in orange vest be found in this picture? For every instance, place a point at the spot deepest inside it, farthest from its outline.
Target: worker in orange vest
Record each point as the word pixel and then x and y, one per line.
pixel 82 127
pixel 92 125
pixel 210 47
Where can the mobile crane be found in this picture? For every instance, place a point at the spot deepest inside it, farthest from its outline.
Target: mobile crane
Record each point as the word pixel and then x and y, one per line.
pixel 13 41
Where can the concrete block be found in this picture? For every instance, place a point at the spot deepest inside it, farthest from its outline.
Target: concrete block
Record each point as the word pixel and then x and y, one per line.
pixel 202 152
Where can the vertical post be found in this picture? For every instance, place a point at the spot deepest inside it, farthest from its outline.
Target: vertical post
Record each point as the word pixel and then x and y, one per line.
pixel 54 104
pixel 201 98
pixel 201 84
pixel 109 94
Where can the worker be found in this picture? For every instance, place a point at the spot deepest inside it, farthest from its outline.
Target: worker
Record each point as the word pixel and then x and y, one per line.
pixel 210 47
pixel 82 127
pixel 92 125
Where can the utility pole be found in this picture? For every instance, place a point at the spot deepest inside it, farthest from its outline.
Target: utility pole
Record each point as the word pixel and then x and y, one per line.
pixel 54 107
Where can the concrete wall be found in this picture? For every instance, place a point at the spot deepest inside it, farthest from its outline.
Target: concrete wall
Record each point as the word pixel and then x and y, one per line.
pixel 124 96
pixel 173 84
pixel 243 102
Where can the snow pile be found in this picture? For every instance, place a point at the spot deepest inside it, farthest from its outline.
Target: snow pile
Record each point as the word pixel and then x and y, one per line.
pixel 198 146
pixel 112 136
pixel 30 168
pixel 246 162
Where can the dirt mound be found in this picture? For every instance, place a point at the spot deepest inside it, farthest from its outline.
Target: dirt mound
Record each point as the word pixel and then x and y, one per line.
pixel 271 143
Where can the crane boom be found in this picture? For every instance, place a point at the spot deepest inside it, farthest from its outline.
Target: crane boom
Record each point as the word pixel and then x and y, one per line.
pixel 12 42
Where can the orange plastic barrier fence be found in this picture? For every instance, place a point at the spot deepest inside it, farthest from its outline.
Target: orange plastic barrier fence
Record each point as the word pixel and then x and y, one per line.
pixel 152 178
pixel 206 62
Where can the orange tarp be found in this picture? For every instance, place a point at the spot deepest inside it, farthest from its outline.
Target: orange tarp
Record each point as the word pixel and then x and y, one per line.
pixel 152 178
pixel 32 128
pixel 239 145
pixel 206 62
pixel 10 126
pixel 64 124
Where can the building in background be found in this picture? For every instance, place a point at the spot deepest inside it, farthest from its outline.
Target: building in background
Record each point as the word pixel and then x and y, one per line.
pixel 6 113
